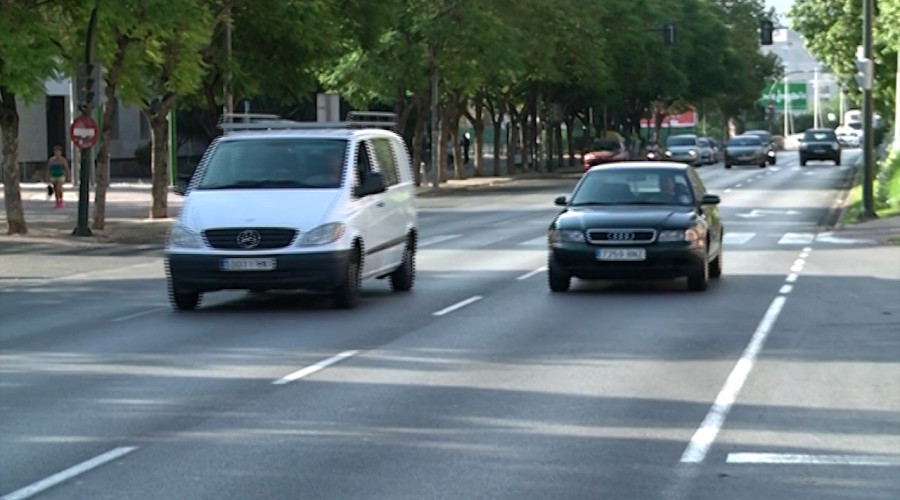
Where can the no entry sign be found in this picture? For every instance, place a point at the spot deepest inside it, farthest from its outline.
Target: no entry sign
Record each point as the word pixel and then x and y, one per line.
pixel 84 132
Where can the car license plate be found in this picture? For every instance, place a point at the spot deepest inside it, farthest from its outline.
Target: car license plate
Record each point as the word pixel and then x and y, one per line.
pixel 249 264
pixel 819 150
pixel 622 254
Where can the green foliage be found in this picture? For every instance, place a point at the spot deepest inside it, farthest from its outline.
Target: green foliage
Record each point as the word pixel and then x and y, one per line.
pixel 28 54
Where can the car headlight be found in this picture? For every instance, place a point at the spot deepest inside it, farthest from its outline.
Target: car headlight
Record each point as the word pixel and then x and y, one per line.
pixel 565 236
pixel 670 235
pixel 835 146
pixel 668 153
pixel 803 145
pixel 771 153
pixel 322 235
pixel 182 237
pixel 692 152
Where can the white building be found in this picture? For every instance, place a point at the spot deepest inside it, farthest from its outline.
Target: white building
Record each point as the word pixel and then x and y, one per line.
pixel 44 123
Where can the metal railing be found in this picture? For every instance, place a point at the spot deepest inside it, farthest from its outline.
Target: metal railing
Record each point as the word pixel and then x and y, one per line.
pixel 233 122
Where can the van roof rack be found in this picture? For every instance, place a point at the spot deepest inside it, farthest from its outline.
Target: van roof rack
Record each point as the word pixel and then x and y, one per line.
pixel 260 121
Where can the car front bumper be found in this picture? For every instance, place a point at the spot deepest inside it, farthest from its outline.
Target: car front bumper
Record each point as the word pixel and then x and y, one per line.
pixel 745 159
pixel 310 271
pixel 663 261
pixel 820 153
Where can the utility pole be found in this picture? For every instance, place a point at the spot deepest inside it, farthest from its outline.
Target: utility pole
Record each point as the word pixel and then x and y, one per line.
pixel 786 108
pixel 816 97
pixel 868 211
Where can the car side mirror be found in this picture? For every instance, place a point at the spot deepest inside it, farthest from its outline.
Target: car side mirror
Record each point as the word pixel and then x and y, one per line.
pixel 710 199
pixel 372 183
pixel 561 201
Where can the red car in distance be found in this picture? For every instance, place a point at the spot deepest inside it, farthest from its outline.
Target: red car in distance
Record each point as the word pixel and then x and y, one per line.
pixel 604 150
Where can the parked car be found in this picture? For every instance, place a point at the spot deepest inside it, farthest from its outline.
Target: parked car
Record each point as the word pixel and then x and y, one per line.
pixel 636 220
pixel 819 144
pixel 604 150
pixel 287 205
pixel 745 150
pixel 768 143
pixel 684 148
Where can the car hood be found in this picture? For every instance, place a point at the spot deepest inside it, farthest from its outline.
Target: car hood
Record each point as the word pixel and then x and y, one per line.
pixel 303 209
pixel 626 216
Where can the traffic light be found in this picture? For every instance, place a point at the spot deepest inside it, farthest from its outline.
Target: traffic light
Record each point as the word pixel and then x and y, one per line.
pixel 669 33
pixel 766 28
pixel 864 76
pixel 87 85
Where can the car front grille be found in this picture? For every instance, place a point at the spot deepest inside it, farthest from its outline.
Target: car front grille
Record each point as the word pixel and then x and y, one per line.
pixel 249 238
pixel 621 236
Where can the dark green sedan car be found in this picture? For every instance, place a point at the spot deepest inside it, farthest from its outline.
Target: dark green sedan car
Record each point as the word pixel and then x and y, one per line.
pixel 745 150
pixel 636 220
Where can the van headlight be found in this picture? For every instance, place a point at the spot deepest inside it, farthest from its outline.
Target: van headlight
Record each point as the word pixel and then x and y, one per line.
pixel 182 237
pixel 323 235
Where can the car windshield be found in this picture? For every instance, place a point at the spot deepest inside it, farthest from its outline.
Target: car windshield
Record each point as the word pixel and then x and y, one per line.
pixel 819 135
pixel 855 126
pixel 633 186
pixel 681 141
pixel 275 163
pixel 605 145
pixel 763 136
pixel 744 141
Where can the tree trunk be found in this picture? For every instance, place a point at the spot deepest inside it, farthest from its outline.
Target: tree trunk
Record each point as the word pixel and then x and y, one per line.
pixel 12 195
pixel 498 143
pixel 478 124
pixel 560 163
pixel 418 135
pixel 570 124
pixel 101 174
pixel 159 159
pixel 511 139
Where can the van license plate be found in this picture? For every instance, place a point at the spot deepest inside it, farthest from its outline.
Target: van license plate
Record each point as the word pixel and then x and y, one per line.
pixel 249 264
pixel 631 254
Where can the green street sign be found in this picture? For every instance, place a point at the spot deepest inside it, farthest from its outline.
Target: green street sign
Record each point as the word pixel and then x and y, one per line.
pixel 774 95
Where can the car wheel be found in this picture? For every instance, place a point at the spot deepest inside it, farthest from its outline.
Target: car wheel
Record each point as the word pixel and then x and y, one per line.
pixel 837 161
pixel 773 160
pixel 802 162
pixel 728 165
pixel 183 300
pixel 698 280
pixel 403 277
pixel 346 295
pixel 558 279
pixel 763 164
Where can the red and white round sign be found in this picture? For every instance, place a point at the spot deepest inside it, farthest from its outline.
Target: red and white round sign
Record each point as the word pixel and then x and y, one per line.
pixel 84 132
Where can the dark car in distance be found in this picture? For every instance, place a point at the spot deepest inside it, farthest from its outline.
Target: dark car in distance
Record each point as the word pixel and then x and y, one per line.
pixel 820 144
pixel 636 220
pixel 745 150
pixel 767 142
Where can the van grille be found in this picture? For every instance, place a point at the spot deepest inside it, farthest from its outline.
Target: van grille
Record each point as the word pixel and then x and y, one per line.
pixel 242 238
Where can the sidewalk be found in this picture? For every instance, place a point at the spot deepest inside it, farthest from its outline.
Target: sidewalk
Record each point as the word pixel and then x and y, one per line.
pixel 128 205
pixel 884 231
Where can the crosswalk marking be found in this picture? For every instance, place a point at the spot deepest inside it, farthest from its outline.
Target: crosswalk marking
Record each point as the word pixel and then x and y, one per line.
pixel 797 238
pixel 537 242
pixel 737 238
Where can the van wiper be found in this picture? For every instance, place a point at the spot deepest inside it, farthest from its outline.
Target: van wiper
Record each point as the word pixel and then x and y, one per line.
pixel 265 183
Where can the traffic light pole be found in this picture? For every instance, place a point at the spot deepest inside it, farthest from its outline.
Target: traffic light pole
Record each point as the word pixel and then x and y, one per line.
pixel 868 187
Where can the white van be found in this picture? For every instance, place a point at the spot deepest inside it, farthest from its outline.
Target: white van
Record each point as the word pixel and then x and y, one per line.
pixel 276 204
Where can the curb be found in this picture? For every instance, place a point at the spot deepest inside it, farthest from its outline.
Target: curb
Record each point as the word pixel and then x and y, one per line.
pixel 836 214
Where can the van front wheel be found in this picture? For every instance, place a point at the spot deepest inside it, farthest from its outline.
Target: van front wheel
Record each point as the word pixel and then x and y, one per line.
pixel 346 295
pixel 403 277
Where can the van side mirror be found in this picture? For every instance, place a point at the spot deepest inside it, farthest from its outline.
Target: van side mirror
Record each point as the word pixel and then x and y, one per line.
pixel 372 183
pixel 560 201
pixel 182 182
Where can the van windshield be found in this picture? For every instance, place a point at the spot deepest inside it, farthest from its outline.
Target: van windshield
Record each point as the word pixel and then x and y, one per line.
pixel 275 163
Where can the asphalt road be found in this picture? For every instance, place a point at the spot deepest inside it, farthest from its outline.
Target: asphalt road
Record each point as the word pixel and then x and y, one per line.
pixel 780 381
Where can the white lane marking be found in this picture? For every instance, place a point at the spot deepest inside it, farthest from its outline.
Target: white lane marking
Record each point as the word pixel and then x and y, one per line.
pixel 737 238
pixel 728 190
pixel 785 289
pixel 539 241
pixel 701 441
pixel 797 239
pixel 458 305
pixel 531 273
pixel 798 266
pixel 804 255
pixel 807 249
pixel 791 278
pixel 309 370
pixel 803 459
pixel 437 239
pixel 738 185
pixel 44 484
pixel 830 238
pixel 135 315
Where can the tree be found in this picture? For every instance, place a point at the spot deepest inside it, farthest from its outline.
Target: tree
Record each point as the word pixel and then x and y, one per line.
pixel 28 57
